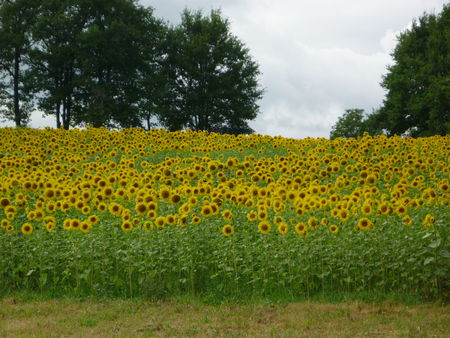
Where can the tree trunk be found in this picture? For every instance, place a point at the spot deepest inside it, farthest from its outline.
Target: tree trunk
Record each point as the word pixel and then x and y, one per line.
pixel 58 113
pixel 16 78
pixel 68 111
pixel 148 121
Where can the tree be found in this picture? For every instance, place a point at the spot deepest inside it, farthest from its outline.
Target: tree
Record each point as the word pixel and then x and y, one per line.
pixel 374 123
pixel 54 58
pixel 418 83
pixel 93 61
pixel 212 78
pixel 351 124
pixel 152 81
pixel 111 57
pixel 16 18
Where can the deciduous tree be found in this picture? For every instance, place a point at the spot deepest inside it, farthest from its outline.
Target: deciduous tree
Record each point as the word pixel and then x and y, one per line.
pixel 418 83
pixel 213 79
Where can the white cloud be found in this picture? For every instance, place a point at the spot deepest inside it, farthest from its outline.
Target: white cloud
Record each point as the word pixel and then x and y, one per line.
pixel 317 57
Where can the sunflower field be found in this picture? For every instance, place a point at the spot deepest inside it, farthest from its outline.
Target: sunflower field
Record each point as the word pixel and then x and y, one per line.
pixel 135 213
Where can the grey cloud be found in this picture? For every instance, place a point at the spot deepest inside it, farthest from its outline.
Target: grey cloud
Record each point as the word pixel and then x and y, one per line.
pixel 317 57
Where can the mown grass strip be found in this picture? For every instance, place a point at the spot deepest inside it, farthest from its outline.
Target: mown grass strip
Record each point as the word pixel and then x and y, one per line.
pixel 84 318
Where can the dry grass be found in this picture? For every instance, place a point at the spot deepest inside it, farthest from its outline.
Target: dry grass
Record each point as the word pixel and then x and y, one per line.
pixel 138 318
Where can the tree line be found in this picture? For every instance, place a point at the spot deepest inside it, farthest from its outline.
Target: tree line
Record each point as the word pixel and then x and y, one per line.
pixel 114 64
pixel 417 85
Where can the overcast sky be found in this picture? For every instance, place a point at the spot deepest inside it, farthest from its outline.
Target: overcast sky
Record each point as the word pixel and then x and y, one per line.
pixel 317 57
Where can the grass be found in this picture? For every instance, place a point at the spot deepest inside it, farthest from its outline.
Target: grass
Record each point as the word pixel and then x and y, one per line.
pixel 86 318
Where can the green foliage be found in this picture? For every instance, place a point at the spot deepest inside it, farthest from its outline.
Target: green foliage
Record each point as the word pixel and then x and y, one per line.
pixel 113 64
pixel 355 123
pixel 349 125
pixel 199 260
pixel 110 54
pixel 213 80
pixel 16 18
pixel 54 59
pixel 418 83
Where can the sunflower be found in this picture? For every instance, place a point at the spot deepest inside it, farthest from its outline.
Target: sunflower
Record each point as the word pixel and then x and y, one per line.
pixel 127 226
pixel 27 228
pixel 121 192
pixel 401 210
pixel 335 212
pixel 85 227
pixel 50 226
pixel 4 223
pixel 75 224
pixel 115 209
pixel 383 208
pixel 252 216
pixel 344 214
pixel 228 230
pixel 4 202
pixel 107 191
pixel 151 214
pixel 164 193
pixel 282 228
pixel 93 219
pixel 152 205
pixel 371 179
pixel 39 214
pixel 444 186
pixel 364 224
pixel 86 195
pixel 193 200
pixel 31 215
pixel 175 199
pixel 215 208
pixel 334 229
pixel 206 211
pixel 196 219
pixel 50 207
pixel 428 221
pixel 227 215
pixel 262 215
pixel 148 226
pixel 140 209
pixel 182 220
pixel 278 219
pixel 313 223
pixel 67 224
pixel 300 228
pixel 366 209
pixel 264 227
pixel 126 216
pixel 160 221
pixel 407 220
pixel 86 210
pixel 171 219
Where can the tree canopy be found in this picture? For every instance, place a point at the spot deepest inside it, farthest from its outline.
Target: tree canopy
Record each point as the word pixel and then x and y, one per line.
pixel 350 124
pixel 418 83
pixel 15 40
pixel 213 80
pixel 113 64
